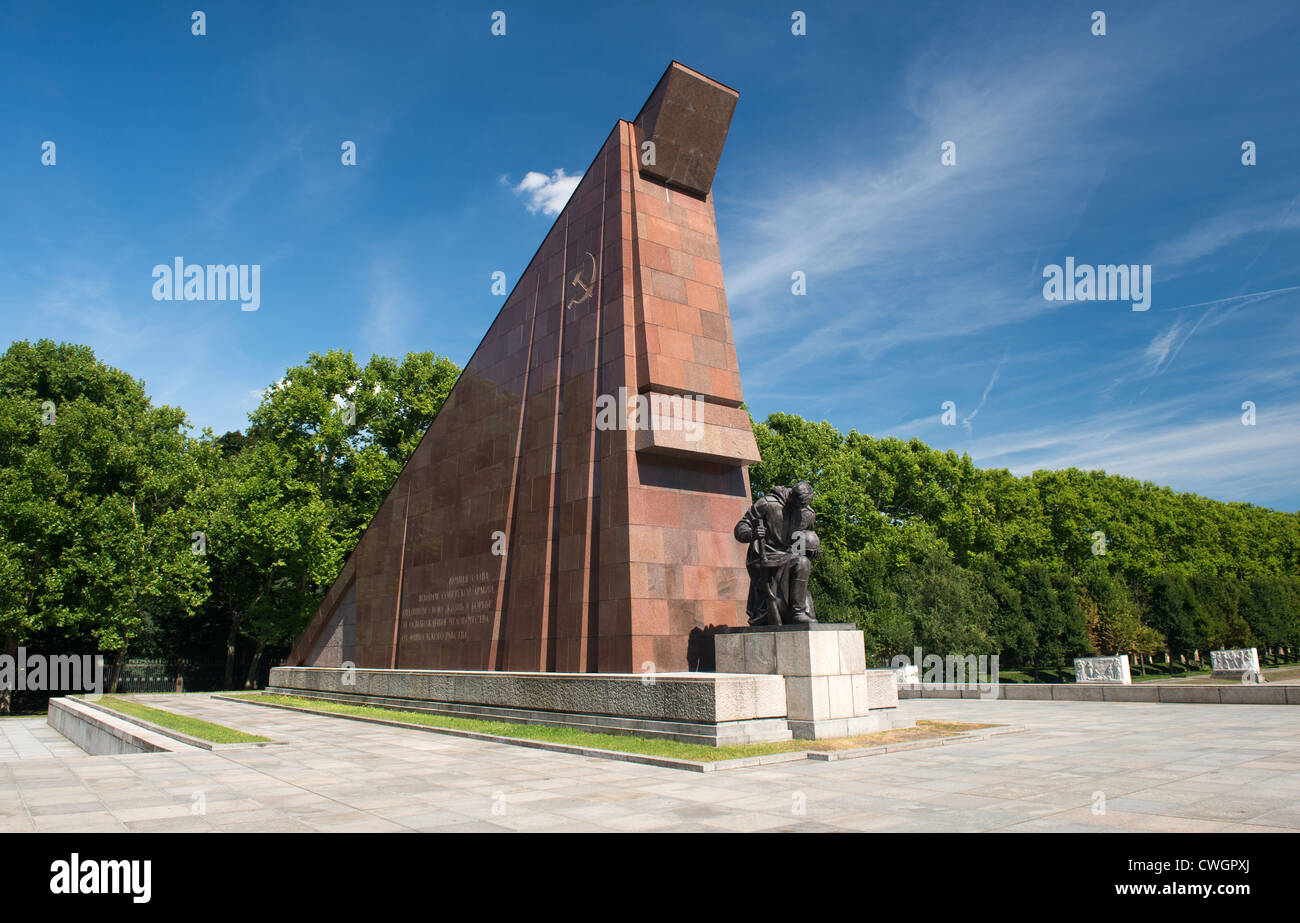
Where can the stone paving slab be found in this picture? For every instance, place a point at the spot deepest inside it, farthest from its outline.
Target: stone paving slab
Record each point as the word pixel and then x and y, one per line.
pixel 1195 768
pixel 26 738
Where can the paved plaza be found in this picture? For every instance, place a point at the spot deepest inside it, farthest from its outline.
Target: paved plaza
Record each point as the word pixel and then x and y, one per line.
pixel 1228 768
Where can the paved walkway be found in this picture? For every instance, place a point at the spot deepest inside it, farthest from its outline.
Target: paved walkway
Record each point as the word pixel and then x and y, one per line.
pixel 1158 768
pixel 31 738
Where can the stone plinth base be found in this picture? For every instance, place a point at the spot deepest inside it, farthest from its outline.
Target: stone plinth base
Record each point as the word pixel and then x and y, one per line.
pixel 828 689
pixel 704 708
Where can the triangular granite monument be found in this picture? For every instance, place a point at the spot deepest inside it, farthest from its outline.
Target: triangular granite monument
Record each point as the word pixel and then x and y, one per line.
pixel 571 509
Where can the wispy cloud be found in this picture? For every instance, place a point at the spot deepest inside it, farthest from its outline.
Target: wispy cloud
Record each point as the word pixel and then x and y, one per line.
pixel 894 237
pixel 1158 349
pixel 901 250
pixel 1221 231
pixel 993 380
pixel 1213 454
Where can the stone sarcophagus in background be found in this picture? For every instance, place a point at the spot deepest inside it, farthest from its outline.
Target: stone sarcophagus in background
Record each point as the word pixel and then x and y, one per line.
pixel 571 507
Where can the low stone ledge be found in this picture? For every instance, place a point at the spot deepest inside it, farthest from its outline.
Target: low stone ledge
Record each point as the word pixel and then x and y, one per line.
pixel 716 709
pixel 1255 695
pixel 1192 695
pixel 1064 692
pixel 1134 693
pixel 103 733
pixel 1174 694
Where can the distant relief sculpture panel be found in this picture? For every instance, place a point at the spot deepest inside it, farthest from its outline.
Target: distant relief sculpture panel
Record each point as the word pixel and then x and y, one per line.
pixel 1102 670
pixel 1235 663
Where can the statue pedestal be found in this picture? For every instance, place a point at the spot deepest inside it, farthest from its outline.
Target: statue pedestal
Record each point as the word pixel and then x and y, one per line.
pixel 829 691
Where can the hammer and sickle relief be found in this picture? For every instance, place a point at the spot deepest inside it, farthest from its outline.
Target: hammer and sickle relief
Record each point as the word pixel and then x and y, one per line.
pixel 587 286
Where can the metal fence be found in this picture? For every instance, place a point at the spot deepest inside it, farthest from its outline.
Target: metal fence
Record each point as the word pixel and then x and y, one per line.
pixel 175 676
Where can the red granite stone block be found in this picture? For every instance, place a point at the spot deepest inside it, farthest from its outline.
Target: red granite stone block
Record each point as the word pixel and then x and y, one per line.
pixel 697 378
pixel 680 545
pixel 701 221
pixel 652 338
pixel 689 320
pixel 649 616
pixel 725 385
pixel 681 264
pixel 700 295
pixel 659 311
pixel 676 344
pixel 698 583
pixel 693 516
pixel 645 544
pixel 657 229
pixel 725 512
pixel 722 612
pixel 650 507
pixel 715 327
pixel 709 352
pixel 616 651
pixel 655 256
pixel 670 287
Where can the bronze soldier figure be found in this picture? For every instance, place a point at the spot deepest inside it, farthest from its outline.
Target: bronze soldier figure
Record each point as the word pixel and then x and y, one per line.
pixel 782 546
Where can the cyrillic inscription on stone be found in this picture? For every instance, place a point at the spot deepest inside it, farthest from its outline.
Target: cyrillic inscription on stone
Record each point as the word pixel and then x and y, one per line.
pixel 1102 670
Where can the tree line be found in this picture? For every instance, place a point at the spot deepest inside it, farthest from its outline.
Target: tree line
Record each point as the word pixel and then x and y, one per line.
pixel 921 548
pixel 124 531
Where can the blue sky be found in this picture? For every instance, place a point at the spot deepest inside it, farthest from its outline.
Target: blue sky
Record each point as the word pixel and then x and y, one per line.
pixel 924 281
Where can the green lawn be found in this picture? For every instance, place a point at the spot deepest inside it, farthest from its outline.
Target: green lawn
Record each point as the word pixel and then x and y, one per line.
pixel 619 742
pixel 204 730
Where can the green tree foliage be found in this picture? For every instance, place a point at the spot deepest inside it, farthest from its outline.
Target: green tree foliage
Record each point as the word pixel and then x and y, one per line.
pixel 120 531
pixel 1114 616
pixel 1173 613
pixel 323 448
pixel 352 453
pixel 102 492
pixel 271 548
pixel 1024 572
pixel 96 518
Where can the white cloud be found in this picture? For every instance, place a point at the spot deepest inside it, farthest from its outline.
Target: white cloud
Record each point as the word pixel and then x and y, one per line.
pixel 546 194
pixel 1157 350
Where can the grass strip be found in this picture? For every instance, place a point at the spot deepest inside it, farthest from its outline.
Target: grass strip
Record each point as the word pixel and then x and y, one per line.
pixel 194 727
pixel 621 743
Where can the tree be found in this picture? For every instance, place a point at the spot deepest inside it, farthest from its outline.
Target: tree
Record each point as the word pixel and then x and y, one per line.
pixel 1271 607
pixel 323 448
pixel 1222 624
pixel 95 504
pixel 1013 633
pixel 1174 614
pixel 950 611
pixel 349 429
pixel 1113 615
pixel 272 548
